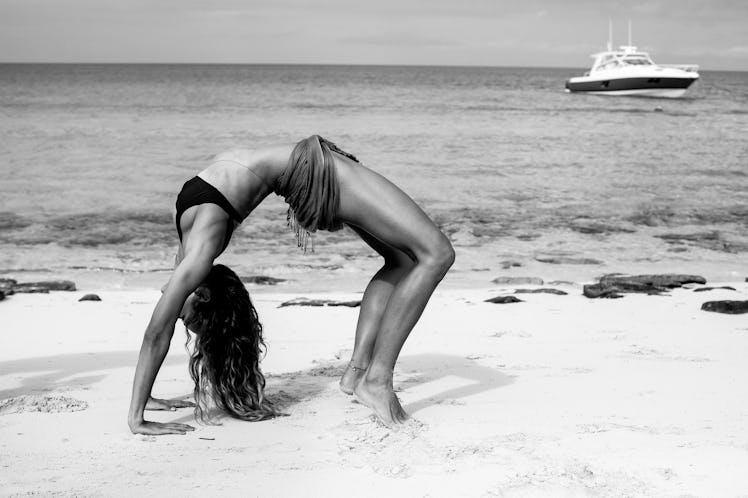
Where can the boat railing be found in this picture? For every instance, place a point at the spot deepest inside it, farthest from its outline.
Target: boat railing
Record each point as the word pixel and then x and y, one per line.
pixel 691 68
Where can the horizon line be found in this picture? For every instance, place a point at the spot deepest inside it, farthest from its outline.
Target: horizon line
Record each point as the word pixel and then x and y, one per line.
pixel 61 63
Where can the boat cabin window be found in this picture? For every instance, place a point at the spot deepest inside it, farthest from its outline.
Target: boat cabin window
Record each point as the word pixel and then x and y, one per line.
pixel 637 60
pixel 610 64
pixel 618 59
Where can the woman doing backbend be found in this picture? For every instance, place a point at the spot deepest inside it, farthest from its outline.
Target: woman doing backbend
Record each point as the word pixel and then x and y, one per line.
pixel 325 188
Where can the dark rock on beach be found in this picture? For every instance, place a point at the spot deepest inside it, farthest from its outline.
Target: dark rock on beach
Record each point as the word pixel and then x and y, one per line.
pixel 612 286
pixel 261 280
pixel 518 281
pixel 90 297
pixel 347 304
pixel 565 260
pixel 2 295
pixel 302 301
pixel 503 300
pixel 594 291
pixel 728 307
pixel 542 290
pixel 6 285
pixel 704 289
pixel 669 280
pixel 52 285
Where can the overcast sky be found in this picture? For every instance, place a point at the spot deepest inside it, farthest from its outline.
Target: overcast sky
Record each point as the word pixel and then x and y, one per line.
pixel 712 33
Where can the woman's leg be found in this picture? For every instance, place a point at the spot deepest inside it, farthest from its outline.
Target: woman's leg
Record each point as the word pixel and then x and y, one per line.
pixel 371 202
pixel 373 303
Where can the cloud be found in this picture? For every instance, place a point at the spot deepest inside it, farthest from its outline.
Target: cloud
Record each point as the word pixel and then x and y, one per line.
pixel 490 32
pixel 400 40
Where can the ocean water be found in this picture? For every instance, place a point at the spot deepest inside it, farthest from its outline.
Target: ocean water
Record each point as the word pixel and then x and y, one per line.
pixel 510 166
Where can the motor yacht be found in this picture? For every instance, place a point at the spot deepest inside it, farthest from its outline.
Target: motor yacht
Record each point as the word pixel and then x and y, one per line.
pixel 628 71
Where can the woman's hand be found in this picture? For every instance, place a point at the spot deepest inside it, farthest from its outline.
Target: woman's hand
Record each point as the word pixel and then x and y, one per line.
pixel 157 428
pixel 158 334
pixel 167 404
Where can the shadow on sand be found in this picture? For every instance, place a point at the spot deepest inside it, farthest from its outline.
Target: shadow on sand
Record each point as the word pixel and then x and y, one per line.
pixel 60 372
pixel 424 368
pixel 288 389
pixel 49 373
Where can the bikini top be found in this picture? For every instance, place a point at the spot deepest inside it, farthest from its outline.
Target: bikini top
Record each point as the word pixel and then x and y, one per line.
pixel 197 191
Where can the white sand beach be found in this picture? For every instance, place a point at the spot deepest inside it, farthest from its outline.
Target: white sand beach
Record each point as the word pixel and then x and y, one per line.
pixel 553 396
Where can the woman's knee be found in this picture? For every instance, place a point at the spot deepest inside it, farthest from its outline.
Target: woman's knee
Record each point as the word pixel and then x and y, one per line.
pixel 398 260
pixel 440 257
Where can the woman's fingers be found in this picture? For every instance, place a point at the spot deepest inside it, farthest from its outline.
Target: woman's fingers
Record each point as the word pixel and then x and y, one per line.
pixel 180 427
pixel 170 428
pixel 158 428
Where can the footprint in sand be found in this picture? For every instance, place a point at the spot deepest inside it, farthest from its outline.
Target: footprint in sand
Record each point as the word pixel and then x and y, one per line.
pixel 41 403
pixel 389 452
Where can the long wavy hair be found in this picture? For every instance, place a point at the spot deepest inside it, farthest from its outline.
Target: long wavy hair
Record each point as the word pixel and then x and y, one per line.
pixel 225 360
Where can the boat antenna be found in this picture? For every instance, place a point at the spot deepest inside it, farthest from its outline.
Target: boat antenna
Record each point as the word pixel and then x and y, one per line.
pixel 629 32
pixel 610 35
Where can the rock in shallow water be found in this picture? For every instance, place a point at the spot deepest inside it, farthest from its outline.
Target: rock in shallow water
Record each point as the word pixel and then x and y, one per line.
pixel 505 265
pixel 518 281
pixel 728 307
pixel 52 285
pixel 262 280
pixel 596 228
pixel 503 300
pixel 542 290
pixel 704 289
pixel 713 240
pixel 302 301
pixel 566 260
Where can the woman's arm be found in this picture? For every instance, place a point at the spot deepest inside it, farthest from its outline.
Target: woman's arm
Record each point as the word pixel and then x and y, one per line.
pixel 188 275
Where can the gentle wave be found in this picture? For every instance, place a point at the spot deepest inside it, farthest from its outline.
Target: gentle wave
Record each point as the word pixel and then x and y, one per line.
pixel 133 229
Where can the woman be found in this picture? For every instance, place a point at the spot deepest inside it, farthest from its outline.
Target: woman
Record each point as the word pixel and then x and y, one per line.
pixel 325 188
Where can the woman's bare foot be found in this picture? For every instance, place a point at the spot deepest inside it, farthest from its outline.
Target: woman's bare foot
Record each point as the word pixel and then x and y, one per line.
pixel 381 398
pixel 351 377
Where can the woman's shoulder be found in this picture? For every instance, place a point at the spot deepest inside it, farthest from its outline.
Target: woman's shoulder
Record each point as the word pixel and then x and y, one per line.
pixel 270 158
pixel 240 155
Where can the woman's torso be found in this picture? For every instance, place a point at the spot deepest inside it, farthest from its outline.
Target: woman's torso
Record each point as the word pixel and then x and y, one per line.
pixel 246 177
pixel 243 177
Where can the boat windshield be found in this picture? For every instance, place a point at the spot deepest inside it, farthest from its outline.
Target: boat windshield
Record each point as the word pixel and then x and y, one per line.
pixel 612 60
pixel 637 61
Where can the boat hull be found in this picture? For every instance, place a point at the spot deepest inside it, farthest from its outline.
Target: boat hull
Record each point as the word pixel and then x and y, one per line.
pixel 671 87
